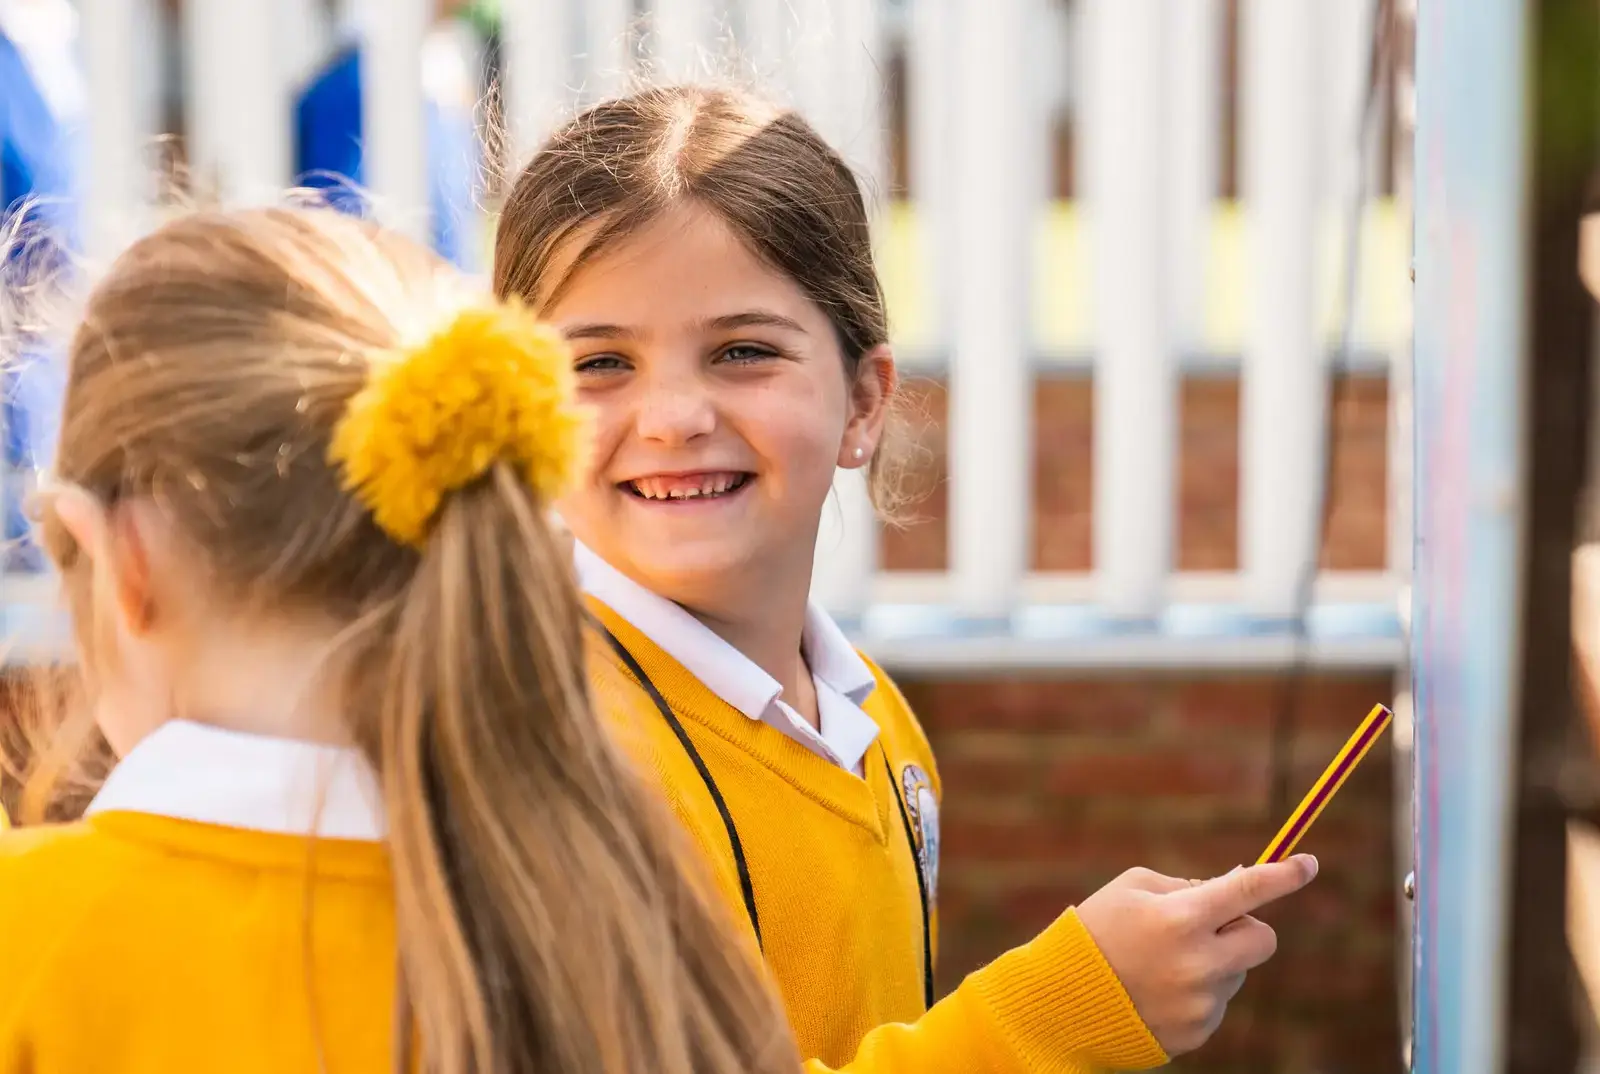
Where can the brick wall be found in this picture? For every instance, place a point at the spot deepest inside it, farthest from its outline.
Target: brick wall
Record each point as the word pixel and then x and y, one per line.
pixel 1056 784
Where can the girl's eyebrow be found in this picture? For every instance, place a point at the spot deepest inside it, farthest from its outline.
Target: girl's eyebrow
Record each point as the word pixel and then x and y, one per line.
pixel 598 330
pixel 754 319
pixel 725 323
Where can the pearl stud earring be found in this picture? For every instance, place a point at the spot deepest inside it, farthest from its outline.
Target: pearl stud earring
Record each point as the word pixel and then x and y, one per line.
pixel 858 454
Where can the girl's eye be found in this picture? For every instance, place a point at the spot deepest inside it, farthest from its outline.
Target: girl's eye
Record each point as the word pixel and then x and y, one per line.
pixel 600 363
pixel 741 353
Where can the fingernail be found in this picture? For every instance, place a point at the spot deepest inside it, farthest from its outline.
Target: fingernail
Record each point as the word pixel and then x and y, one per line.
pixel 1236 869
pixel 1311 863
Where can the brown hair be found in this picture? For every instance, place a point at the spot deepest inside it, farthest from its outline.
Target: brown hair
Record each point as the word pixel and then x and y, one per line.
pixel 545 919
pixel 762 169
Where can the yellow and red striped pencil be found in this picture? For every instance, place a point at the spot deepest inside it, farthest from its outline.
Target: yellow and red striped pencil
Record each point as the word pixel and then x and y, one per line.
pixel 1322 792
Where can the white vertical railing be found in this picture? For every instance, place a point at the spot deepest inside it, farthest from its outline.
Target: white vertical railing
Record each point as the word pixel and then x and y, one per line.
pixel 1148 91
pixel 1344 32
pixel 766 34
pixel 681 37
pixel 930 59
pixel 991 383
pixel 1284 394
pixel 1135 404
pixel 1193 134
pixel 607 48
pixel 393 110
pixel 860 61
pixel 240 135
pixel 536 71
pixel 304 32
pixel 847 551
pixel 811 66
pixel 122 121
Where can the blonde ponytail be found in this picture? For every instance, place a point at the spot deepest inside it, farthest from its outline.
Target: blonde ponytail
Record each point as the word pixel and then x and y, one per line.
pixel 271 380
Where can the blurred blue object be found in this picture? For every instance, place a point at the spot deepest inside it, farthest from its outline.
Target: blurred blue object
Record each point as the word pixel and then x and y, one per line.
pixel 38 152
pixel 39 170
pixel 328 155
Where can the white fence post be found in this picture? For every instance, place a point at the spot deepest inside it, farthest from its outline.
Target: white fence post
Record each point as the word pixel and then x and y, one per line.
pixel 1193 103
pixel 608 47
pixel 862 73
pixel 393 112
pixel 682 39
pixel 813 68
pixel 123 98
pixel 766 33
pixel 847 548
pixel 537 70
pixel 991 389
pixel 240 113
pixel 1135 404
pixel 304 32
pixel 1284 396
pixel 930 59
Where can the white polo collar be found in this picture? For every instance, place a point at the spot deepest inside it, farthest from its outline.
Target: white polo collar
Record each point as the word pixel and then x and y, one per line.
pixel 193 771
pixel 843 679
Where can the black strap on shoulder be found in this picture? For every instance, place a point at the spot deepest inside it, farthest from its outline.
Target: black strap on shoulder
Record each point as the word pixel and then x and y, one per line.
pixel 746 888
pixel 922 881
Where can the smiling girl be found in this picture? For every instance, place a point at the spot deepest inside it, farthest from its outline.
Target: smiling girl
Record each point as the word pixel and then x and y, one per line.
pixel 708 258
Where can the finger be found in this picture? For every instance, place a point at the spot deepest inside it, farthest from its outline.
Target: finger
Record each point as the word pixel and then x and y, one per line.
pixel 1244 944
pixel 1151 881
pixel 1244 890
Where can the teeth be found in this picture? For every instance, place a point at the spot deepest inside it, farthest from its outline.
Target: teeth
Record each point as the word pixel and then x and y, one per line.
pixel 652 488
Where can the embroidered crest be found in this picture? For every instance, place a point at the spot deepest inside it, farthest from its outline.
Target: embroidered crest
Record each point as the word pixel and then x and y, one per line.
pixel 923 806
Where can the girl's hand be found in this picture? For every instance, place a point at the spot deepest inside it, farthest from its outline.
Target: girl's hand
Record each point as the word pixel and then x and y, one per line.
pixel 1181 948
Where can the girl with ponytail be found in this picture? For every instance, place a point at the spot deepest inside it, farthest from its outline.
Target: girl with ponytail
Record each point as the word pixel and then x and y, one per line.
pixel 362 818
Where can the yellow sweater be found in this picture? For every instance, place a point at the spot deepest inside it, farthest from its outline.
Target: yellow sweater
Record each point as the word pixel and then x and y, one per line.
pixel 836 897
pixel 140 944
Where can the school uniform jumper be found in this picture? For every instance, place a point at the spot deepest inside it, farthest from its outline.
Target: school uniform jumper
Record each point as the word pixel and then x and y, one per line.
pixel 816 841
pixel 190 923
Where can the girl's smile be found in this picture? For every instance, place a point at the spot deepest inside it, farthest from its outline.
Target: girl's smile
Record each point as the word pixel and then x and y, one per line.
pixel 722 404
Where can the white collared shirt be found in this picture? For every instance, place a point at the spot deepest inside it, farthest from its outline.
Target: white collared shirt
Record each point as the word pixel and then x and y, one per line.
pixel 842 679
pixel 196 772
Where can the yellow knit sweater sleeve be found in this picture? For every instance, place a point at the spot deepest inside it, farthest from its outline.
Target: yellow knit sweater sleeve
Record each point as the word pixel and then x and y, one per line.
pixel 1052 1006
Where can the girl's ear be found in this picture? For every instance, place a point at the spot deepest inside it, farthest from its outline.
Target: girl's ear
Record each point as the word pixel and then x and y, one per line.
pixel 875 382
pixel 114 546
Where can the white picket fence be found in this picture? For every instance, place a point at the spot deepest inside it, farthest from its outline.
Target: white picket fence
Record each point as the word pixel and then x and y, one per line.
pixel 985 76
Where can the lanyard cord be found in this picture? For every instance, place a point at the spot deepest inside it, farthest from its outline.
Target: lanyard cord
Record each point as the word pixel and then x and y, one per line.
pixel 746 888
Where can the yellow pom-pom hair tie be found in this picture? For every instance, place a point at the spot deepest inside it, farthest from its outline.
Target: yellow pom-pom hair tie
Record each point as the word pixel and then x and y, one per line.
pixel 495 384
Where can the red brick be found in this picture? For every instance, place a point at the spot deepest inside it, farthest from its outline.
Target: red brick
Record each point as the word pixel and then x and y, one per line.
pixel 1208 474
pixel 1207 854
pixel 1063 474
pixel 1356 537
pixel 1035 841
pixel 1158 772
pixel 1054 786
pixel 1340 701
pixel 1228 705
pixel 1207 479
pixel 1030 909
pixel 1034 704
pixel 965 775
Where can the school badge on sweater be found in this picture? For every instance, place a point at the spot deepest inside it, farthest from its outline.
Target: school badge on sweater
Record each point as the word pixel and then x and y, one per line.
pixel 923 807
